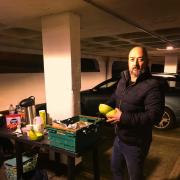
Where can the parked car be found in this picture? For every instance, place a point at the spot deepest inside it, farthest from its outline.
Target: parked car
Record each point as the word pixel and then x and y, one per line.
pixel 91 98
pixel 171 116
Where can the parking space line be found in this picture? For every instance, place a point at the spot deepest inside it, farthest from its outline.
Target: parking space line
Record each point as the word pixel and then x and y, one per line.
pixel 175 173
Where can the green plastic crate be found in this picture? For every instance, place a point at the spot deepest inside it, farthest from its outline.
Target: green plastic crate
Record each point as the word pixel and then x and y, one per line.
pixel 75 141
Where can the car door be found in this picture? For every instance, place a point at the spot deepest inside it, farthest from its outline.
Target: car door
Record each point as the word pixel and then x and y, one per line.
pixel 100 94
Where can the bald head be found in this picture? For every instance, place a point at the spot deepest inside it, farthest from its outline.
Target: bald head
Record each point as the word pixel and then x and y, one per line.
pixel 138 61
pixel 141 50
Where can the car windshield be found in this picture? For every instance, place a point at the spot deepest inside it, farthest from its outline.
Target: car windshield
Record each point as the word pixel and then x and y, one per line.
pixel 107 84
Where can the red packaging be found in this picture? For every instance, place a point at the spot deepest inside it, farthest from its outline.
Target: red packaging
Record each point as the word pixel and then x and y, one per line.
pixel 12 120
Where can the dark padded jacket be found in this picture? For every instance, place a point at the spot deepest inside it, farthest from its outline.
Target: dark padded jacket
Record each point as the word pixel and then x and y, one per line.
pixel 142 106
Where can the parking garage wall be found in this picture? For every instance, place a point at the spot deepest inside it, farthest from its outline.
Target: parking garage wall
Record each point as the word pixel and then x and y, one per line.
pixel 17 86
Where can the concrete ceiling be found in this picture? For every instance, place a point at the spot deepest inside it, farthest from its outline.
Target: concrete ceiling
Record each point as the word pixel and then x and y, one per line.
pixel 108 27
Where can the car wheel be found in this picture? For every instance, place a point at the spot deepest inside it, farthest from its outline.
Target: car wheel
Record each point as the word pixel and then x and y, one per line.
pixel 167 121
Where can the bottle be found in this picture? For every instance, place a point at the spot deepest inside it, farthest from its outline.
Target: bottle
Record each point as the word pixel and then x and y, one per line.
pixel 18 109
pixel 23 119
pixel 11 109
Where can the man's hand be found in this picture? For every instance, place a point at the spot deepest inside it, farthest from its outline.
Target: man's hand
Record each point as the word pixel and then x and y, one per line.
pixel 113 119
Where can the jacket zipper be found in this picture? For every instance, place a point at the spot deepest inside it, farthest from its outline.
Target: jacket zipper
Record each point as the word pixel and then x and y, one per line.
pixel 123 93
pixel 125 89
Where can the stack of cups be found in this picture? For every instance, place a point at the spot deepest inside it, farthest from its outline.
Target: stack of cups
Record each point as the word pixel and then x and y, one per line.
pixel 42 114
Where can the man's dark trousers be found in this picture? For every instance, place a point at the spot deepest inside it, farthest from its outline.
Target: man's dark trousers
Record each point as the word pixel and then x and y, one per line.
pixel 132 156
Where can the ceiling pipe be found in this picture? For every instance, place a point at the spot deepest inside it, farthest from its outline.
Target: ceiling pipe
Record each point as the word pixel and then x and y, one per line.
pixel 129 21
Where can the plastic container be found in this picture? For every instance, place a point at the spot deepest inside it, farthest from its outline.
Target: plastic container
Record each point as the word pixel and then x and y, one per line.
pixel 78 140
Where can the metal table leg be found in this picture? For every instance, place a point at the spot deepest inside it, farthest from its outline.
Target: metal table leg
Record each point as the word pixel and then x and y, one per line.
pixel 19 163
pixel 71 168
pixel 96 163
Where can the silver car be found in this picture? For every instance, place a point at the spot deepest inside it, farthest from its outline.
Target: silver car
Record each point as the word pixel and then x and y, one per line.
pixel 171 116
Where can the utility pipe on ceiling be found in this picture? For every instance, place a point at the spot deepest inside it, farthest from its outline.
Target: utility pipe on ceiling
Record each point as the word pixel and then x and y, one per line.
pixel 129 21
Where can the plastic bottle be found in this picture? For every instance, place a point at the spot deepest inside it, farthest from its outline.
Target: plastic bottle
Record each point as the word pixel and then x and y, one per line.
pixel 11 109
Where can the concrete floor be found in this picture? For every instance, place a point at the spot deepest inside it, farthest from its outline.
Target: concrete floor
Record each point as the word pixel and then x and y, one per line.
pixel 163 162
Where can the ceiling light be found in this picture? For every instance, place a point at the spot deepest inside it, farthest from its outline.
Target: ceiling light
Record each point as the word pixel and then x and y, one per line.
pixel 169 47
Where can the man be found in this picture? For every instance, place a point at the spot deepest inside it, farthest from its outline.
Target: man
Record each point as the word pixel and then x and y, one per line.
pixel 139 104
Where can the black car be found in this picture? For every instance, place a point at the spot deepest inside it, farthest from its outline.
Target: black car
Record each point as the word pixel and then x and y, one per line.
pixel 90 99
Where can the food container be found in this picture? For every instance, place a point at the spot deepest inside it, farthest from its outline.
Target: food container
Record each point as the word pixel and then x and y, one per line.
pixel 75 139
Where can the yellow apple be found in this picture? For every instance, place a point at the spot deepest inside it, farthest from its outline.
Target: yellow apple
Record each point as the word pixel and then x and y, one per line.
pixel 104 108
pixel 111 113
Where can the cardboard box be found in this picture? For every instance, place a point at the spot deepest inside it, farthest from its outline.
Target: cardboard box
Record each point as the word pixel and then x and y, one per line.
pixel 14 119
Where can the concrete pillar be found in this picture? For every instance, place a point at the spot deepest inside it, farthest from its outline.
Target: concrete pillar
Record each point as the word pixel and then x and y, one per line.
pixel 61 52
pixel 171 63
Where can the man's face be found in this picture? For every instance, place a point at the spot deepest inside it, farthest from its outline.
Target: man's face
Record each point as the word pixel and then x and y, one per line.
pixel 136 62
